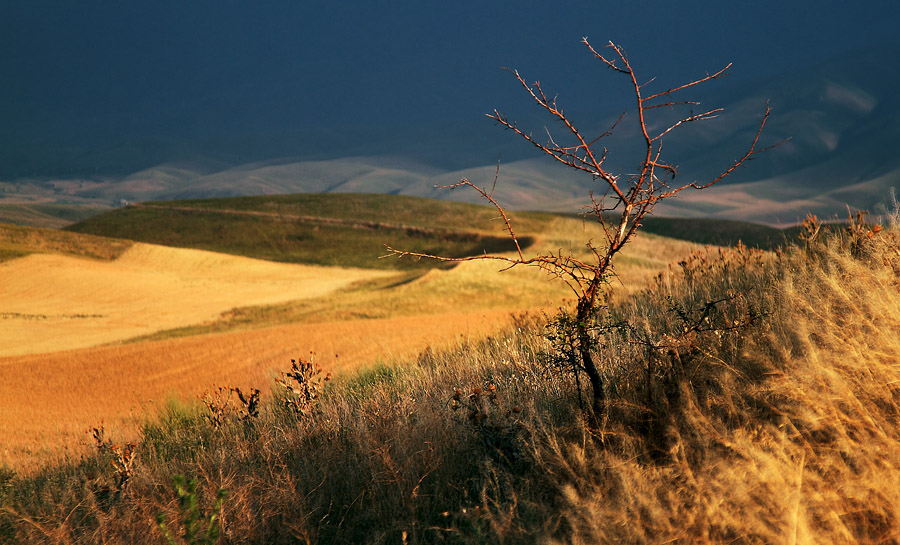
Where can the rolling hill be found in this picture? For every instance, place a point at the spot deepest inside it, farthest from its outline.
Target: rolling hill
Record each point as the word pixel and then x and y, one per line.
pixel 56 302
pixel 324 229
pixel 111 323
pixel 751 395
pixel 17 241
pixel 291 228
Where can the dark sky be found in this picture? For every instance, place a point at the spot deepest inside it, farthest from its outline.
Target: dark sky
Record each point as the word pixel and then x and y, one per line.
pixel 78 68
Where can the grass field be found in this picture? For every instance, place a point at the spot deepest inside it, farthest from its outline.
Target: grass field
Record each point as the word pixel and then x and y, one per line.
pixel 292 228
pixel 47 215
pixel 192 317
pixel 720 232
pixel 774 421
pixel 49 402
pixel 469 286
pixel 17 241
pixel 459 417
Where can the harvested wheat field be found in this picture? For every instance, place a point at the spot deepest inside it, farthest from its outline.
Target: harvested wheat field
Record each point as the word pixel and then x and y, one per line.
pixel 50 401
pixel 70 360
pixel 51 302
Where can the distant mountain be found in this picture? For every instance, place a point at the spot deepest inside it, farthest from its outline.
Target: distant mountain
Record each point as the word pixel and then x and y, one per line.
pixel 841 117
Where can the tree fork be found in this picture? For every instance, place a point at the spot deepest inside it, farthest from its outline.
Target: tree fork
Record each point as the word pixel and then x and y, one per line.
pixel 631 196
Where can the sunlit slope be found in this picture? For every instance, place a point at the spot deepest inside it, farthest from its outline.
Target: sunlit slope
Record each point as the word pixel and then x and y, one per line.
pixel 350 229
pixel 353 327
pixel 241 318
pixel 49 401
pixel 54 302
pixel 469 286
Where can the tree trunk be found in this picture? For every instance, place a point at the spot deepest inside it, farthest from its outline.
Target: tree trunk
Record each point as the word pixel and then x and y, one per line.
pixel 585 310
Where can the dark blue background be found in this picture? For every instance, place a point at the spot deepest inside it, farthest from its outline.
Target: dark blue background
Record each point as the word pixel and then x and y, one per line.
pixel 82 74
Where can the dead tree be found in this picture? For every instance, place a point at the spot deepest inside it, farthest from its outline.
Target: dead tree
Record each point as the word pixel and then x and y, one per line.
pixel 621 202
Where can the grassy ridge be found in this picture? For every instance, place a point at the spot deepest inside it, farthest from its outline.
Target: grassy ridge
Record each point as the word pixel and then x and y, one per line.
pixel 397 209
pixel 719 232
pixel 16 241
pixel 286 229
pixel 782 430
pixel 474 286
pixel 48 215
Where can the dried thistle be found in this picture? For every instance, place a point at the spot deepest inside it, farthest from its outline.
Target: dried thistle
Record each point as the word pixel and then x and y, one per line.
pixel 250 408
pixel 302 385
pixel 122 458
pixel 219 406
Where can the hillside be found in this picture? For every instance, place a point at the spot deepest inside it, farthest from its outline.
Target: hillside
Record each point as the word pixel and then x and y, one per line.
pixel 351 229
pixel 159 320
pixel 57 302
pixel 17 241
pixel 46 213
pixel 752 398
pixel 337 230
pixel 146 292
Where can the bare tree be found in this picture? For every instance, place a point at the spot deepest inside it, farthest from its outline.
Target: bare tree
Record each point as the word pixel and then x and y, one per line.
pixel 623 200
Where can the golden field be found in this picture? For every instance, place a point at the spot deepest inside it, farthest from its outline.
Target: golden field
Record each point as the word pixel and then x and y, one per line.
pixel 781 429
pixel 752 398
pixel 56 302
pixel 50 401
pixel 194 320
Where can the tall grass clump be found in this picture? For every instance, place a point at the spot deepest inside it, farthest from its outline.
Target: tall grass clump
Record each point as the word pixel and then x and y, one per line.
pixel 752 398
pixel 785 431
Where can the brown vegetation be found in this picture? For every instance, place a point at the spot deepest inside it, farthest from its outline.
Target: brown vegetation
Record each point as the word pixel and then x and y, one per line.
pixel 73 302
pixel 24 240
pixel 786 431
pixel 622 202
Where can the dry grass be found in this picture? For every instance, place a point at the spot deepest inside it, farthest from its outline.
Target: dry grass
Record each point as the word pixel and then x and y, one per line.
pixel 55 301
pixel 470 286
pixel 785 431
pixel 25 240
pixel 46 213
pixel 789 434
pixel 57 307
